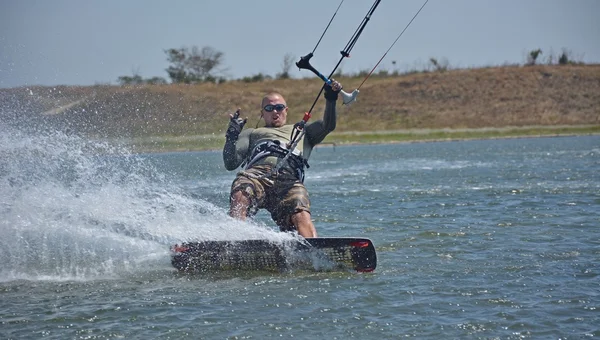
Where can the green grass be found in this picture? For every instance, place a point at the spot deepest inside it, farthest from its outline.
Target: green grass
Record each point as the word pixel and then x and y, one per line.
pixel 459 134
pixel 214 142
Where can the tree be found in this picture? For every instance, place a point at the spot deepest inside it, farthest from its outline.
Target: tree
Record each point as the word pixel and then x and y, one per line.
pixel 533 55
pixel 136 79
pixel 155 81
pixel 176 70
pixel 286 66
pixel 564 57
pixel 193 65
pixel 127 80
pixel 440 66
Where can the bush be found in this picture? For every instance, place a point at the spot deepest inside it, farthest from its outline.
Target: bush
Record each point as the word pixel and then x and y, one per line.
pixel 256 78
pixel 564 58
pixel 439 66
pixel 532 57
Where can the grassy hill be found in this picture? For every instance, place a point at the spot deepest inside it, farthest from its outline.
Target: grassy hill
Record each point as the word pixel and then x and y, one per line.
pixel 466 103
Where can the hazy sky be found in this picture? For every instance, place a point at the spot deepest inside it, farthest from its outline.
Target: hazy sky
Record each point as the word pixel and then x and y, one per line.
pixel 85 42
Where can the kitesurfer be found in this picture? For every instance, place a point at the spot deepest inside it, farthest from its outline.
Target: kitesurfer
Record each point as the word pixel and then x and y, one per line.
pixel 259 150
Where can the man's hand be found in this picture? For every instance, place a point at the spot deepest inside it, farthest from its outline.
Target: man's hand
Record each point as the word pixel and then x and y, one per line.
pixel 332 91
pixel 236 124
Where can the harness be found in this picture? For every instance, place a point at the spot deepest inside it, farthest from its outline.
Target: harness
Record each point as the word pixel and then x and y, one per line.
pixel 295 161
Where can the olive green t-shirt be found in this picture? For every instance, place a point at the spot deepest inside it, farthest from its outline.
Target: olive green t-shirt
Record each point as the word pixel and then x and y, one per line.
pixel 236 152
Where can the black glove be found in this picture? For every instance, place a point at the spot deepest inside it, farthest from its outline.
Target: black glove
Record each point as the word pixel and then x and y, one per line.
pixel 236 124
pixel 330 94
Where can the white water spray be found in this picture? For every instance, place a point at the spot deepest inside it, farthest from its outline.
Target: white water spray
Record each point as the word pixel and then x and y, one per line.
pixel 77 209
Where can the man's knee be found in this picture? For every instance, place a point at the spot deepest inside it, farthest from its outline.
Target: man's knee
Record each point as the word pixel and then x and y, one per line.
pixel 303 224
pixel 291 221
pixel 238 204
pixel 243 202
pixel 238 196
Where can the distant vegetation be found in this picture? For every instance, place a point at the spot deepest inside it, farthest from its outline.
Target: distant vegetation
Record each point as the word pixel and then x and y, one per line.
pixel 547 94
pixel 564 58
pixel 205 65
pixel 422 105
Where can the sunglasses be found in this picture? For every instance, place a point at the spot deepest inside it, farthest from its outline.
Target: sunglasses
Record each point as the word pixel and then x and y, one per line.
pixel 278 107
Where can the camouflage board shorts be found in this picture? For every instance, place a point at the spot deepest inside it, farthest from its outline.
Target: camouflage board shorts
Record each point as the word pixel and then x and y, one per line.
pixel 281 194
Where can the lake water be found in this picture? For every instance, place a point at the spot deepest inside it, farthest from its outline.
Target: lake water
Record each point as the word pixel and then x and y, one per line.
pixel 476 239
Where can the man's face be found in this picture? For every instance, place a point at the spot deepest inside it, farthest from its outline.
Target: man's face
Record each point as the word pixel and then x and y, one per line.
pixel 274 118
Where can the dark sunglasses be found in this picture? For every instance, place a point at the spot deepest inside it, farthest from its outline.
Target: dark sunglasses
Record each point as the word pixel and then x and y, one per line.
pixel 278 107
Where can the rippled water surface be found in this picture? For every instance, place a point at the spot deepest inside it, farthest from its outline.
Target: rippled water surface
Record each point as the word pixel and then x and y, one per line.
pixel 475 239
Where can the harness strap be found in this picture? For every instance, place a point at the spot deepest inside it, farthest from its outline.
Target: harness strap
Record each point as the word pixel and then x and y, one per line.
pixel 274 148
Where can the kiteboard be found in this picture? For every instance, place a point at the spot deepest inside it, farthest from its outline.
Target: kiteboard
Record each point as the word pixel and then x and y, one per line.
pixel 322 253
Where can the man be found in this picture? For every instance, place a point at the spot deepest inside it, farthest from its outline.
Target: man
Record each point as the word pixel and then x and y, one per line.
pixel 271 178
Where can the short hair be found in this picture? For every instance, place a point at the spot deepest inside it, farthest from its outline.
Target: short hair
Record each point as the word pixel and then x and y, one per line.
pixel 269 95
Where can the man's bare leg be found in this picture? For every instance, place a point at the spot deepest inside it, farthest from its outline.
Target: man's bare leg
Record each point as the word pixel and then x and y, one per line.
pixel 238 207
pixel 304 224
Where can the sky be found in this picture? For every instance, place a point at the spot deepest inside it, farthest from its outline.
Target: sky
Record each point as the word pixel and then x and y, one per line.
pixel 74 42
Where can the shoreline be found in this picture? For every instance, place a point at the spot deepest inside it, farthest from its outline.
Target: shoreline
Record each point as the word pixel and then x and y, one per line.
pixel 195 143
